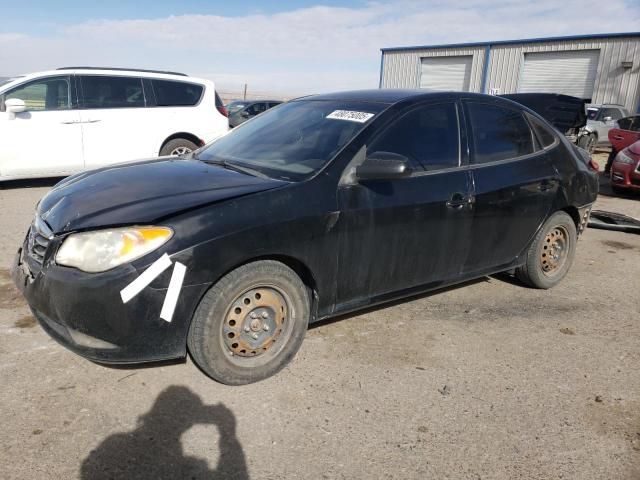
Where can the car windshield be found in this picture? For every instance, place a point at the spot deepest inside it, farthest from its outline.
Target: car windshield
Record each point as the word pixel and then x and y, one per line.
pixel 592 113
pixel 235 106
pixel 295 139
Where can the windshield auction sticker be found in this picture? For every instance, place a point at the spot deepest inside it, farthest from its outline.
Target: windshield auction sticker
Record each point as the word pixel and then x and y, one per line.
pixel 350 115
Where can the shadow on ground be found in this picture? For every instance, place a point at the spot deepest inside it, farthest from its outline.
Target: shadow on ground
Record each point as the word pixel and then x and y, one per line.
pixel 29 183
pixel 154 449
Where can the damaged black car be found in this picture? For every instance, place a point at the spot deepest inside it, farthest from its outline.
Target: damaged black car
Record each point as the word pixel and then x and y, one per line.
pixel 320 206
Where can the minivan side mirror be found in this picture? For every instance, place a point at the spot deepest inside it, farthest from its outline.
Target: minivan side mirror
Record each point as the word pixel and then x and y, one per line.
pixel 383 166
pixel 14 105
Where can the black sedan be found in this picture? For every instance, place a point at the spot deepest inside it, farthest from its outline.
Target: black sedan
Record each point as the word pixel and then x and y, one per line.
pixel 318 207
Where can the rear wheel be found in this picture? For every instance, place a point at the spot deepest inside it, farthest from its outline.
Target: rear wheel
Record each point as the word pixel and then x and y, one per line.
pixel 551 254
pixel 250 324
pixel 178 146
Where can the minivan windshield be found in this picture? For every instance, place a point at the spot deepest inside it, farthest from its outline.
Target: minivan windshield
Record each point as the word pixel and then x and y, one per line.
pixel 293 140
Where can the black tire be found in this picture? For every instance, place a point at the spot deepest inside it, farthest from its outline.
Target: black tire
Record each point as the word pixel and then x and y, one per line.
pixel 542 269
pixel 221 337
pixel 588 142
pixel 177 146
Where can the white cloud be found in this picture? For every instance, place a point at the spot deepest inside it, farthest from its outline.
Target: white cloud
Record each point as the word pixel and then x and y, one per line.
pixel 311 49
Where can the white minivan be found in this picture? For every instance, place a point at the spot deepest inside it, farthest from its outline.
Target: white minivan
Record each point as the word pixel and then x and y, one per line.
pixel 63 121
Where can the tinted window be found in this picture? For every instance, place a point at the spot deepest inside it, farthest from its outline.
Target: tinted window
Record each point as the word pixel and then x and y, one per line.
pixel 176 94
pixel 498 133
pixel 236 106
pixel 257 108
pixel 294 140
pixel 592 113
pixel 542 131
pixel 427 136
pixel 273 104
pixel 45 94
pixel 112 92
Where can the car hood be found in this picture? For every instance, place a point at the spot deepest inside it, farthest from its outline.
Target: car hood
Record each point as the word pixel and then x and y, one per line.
pixel 142 192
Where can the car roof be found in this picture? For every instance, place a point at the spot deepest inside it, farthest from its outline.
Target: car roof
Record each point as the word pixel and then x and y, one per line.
pixel 390 95
pixel 113 71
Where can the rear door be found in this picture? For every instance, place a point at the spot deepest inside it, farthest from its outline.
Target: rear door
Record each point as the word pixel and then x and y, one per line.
pixel 46 139
pixel 515 183
pixel 116 126
pixel 413 231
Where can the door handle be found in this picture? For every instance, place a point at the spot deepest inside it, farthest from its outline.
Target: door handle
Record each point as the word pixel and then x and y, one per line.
pixel 458 200
pixel 618 137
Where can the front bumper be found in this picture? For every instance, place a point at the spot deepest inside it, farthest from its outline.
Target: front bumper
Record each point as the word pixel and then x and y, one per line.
pixel 85 313
pixel 624 175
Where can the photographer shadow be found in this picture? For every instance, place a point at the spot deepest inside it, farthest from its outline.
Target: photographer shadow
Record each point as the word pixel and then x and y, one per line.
pixel 154 449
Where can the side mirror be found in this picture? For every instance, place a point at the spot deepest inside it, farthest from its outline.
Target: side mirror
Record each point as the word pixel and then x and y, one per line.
pixel 607 119
pixel 383 166
pixel 14 105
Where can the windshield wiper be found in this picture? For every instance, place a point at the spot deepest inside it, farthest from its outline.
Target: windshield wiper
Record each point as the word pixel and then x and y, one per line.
pixel 235 167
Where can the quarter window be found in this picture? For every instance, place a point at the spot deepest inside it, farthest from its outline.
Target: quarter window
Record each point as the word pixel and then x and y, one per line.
pixel 542 131
pixel 112 92
pixel 42 95
pixel 176 94
pixel 498 133
pixel 428 136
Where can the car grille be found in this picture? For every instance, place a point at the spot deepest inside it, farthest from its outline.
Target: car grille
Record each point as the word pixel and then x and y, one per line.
pixel 38 240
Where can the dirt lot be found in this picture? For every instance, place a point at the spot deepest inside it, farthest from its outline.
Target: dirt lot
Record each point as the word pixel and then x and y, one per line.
pixel 487 380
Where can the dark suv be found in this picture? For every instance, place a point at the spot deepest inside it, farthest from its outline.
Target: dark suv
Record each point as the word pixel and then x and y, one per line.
pixel 240 111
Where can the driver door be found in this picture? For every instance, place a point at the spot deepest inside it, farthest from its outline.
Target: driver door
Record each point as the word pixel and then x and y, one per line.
pixel 408 232
pixel 45 139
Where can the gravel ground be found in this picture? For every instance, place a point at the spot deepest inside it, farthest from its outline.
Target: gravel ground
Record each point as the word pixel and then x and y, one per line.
pixel 486 380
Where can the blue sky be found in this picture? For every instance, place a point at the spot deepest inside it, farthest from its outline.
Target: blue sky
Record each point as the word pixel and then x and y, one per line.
pixel 278 47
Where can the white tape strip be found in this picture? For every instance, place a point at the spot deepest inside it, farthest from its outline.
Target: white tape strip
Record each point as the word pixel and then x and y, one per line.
pixel 171 299
pixel 145 278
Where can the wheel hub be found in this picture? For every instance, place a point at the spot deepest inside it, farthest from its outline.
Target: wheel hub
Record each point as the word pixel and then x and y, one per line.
pixel 254 322
pixel 554 250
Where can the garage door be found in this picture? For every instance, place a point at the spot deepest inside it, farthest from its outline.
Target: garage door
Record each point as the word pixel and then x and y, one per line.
pixel 569 72
pixel 446 73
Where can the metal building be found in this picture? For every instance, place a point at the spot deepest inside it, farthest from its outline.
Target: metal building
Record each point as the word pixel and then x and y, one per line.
pixel 604 68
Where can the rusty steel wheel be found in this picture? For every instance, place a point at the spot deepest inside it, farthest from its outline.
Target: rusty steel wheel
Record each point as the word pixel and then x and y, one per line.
pixel 250 324
pixel 255 321
pixel 551 253
pixel 554 251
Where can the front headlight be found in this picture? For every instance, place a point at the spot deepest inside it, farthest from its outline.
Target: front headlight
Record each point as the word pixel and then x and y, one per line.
pixel 622 158
pixel 103 250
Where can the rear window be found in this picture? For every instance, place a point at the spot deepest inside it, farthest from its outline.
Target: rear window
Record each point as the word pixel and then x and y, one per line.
pixel 498 133
pixel 101 91
pixel 176 94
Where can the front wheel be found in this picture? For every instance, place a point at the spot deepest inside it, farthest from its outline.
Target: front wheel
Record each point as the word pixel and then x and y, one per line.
pixel 551 254
pixel 250 324
pixel 587 142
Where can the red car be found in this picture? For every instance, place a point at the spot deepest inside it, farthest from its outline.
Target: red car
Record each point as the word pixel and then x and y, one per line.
pixel 625 132
pixel 625 170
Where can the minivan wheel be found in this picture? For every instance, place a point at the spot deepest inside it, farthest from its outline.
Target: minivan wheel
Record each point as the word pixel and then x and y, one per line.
pixel 177 146
pixel 551 254
pixel 250 324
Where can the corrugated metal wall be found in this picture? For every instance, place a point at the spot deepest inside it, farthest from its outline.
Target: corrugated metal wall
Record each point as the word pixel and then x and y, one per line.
pixel 402 69
pixel 613 84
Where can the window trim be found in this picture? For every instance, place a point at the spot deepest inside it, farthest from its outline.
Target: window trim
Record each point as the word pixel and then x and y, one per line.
pixel 462 164
pixel 81 96
pixel 70 80
pixel 472 153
